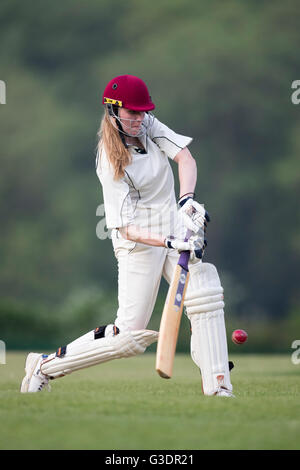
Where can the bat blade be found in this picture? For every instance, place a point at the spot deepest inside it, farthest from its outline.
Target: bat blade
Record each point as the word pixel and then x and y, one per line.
pixel 170 321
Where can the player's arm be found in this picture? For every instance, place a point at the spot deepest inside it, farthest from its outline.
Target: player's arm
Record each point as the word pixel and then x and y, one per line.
pixel 194 215
pixel 139 235
pixel 187 172
pixel 134 233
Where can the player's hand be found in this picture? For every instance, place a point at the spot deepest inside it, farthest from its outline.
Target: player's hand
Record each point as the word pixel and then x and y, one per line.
pixel 194 216
pixel 195 245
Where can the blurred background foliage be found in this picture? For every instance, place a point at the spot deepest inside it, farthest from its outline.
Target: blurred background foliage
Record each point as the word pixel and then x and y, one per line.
pixel 220 72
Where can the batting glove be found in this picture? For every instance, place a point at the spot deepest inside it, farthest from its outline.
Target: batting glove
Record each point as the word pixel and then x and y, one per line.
pixel 195 245
pixel 194 216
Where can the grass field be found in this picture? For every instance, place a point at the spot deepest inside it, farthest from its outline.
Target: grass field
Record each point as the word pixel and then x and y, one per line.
pixel 124 404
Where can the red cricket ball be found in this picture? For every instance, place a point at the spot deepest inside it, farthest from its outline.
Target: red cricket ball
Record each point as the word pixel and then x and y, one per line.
pixel 239 336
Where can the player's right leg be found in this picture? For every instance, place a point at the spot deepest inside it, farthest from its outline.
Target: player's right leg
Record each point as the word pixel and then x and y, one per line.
pixel 98 346
pixel 139 277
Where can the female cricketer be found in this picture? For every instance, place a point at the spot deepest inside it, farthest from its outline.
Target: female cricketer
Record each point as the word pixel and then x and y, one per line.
pixel 148 233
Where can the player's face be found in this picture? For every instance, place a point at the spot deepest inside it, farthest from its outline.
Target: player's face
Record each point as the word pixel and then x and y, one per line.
pixel 131 120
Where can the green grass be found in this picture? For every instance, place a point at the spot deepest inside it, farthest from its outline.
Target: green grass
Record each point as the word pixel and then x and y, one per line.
pixel 124 404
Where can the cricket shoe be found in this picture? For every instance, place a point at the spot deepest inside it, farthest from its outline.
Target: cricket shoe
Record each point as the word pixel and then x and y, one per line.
pixel 34 380
pixel 224 392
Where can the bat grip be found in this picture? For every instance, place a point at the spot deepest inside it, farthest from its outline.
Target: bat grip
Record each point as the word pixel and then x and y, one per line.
pixel 185 255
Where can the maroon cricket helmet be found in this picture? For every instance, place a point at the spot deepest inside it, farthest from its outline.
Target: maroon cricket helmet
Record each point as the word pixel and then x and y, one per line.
pixel 128 91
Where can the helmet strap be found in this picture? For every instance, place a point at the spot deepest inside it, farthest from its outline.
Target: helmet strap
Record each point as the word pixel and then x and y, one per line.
pixel 121 133
pixel 113 112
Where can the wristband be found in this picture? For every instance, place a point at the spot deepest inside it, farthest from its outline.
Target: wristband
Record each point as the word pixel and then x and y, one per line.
pixel 168 242
pixel 183 199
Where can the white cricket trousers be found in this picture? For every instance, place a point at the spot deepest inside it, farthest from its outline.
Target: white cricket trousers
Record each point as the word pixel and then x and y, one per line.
pixel 140 268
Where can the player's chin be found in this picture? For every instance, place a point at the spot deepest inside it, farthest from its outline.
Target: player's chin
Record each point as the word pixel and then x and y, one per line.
pixel 132 132
pixel 136 127
pixel 135 130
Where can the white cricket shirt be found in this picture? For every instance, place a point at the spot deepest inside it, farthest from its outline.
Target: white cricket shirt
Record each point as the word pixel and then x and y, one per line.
pixel 145 196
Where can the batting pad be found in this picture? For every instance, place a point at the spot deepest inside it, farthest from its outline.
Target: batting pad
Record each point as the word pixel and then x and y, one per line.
pixel 205 310
pixel 88 351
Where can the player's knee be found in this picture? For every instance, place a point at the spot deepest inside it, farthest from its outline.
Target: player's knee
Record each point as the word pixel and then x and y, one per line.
pixel 205 293
pixel 204 273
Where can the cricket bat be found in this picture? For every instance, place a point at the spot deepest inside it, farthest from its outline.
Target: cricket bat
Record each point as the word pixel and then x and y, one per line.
pixel 171 316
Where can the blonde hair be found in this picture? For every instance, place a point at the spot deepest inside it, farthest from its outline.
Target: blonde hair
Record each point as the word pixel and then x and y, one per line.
pixel 109 137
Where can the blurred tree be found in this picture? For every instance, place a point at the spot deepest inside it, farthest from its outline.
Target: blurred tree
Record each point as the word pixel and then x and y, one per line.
pixel 220 72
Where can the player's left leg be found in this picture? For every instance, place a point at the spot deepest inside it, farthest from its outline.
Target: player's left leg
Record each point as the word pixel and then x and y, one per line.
pixel 205 310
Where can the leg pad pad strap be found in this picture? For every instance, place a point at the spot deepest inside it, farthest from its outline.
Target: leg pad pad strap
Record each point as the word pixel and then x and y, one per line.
pixel 204 300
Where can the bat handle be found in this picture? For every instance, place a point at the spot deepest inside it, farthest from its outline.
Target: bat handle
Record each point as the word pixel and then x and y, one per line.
pixel 185 255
